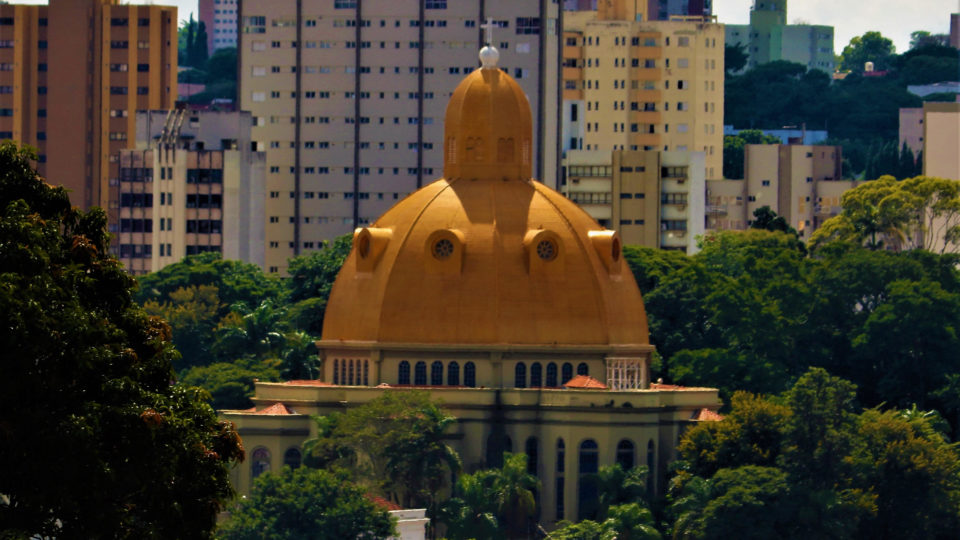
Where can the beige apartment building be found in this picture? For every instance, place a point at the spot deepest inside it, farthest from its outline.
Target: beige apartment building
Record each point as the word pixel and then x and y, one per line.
pixel 348 99
pixel 193 184
pixel 632 85
pixel 911 129
pixel 71 76
pixel 799 182
pixel 941 131
pixel 651 198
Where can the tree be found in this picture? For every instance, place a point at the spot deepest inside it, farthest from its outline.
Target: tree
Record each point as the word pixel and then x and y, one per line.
pixel 257 332
pixel 306 503
pixel 311 279
pixel 192 313
pixel 922 38
pixel 393 445
pixel 618 486
pixel 734 58
pixel 631 521
pixel 471 511
pixel 230 384
pixel 87 372
pixel 870 47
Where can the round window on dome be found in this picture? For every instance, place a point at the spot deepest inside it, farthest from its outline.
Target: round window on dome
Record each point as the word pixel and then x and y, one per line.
pixel 547 250
pixel 442 249
pixel 615 249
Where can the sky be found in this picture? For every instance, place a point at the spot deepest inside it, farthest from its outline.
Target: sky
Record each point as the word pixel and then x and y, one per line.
pixel 894 19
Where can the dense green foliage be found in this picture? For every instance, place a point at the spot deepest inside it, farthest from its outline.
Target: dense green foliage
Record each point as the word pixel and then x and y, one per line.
pixel 860 112
pixel 811 463
pixel 218 73
pixel 752 311
pixel 393 446
pixel 232 322
pixel 96 441
pixel 306 504
pixel 493 503
pixel 192 43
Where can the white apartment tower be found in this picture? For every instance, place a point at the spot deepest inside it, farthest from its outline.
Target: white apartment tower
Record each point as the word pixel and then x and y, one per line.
pixel 348 99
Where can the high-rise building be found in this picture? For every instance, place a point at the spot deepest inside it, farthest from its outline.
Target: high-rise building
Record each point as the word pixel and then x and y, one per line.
pixel 348 100
pixel 71 76
pixel 663 10
pixel 955 30
pixel 768 37
pixel 219 18
pixel 651 198
pixel 801 183
pixel 192 185
pixel 630 85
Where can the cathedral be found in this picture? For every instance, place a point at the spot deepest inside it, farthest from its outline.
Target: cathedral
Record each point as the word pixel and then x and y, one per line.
pixel 507 303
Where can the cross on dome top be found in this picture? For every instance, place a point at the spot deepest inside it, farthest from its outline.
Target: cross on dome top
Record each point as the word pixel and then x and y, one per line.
pixel 489 54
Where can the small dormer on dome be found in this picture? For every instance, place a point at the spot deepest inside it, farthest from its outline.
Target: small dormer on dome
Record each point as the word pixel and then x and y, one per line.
pixel 488 129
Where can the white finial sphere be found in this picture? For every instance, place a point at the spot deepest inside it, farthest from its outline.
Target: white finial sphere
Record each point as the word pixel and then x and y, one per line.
pixel 489 57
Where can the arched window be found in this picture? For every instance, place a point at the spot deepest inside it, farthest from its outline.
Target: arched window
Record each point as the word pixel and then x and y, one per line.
pixel 520 375
pixel 350 380
pixel 583 369
pixel 420 374
pixel 497 444
pixel 404 373
pixel 469 375
pixel 625 454
pixel 261 462
pixel 343 371
pixel 533 456
pixel 336 374
pixel 436 374
pixel 453 374
pixel 588 493
pixel 651 466
pixel 567 373
pixel 366 373
pixel 291 458
pixel 561 466
pixel 552 375
pixel 536 375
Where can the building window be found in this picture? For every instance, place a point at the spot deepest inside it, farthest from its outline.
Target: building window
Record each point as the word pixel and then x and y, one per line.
pixel 551 375
pixel 536 375
pixel 261 462
pixel 470 375
pixel 520 375
pixel 436 374
pixel 625 454
pixel 567 373
pixel 420 374
pixel 291 458
pixel 453 374
pixel 404 373
pixel 533 454
pixel 583 369
pixel 651 466
pixel 588 494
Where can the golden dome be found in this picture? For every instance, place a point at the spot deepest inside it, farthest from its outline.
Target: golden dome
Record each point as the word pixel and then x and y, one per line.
pixel 486 255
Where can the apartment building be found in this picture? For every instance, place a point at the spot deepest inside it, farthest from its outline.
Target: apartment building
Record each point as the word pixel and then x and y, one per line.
pixel 71 76
pixel 349 97
pixel 193 184
pixel 941 135
pixel 799 182
pixel 768 37
pixel 219 18
pixel 663 10
pixel 911 129
pixel 632 85
pixel 652 198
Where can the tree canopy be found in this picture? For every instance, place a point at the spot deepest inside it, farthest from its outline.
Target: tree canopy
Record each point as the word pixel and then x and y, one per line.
pixel 87 374
pixel 308 504
pixel 870 47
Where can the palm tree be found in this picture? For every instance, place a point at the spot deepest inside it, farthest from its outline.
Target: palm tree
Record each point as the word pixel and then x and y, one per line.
pixel 514 494
pixel 617 486
pixel 632 521
pixel 472 512
pixel 257 331
pixel 420 462
pixel 689 507
pixel 299 356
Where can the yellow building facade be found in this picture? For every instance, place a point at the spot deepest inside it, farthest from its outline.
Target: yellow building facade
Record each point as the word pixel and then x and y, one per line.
pixel 651 198
pixel 73 73
pixel 506 302
pixel 634 85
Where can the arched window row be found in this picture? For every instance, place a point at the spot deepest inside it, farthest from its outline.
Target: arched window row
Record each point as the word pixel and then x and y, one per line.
pixel 260 462
pixel 536 374
pixel 437 374
pixel 351 372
